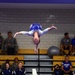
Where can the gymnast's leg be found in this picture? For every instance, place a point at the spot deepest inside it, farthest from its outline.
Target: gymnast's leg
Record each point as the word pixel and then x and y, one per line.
pixel 46 30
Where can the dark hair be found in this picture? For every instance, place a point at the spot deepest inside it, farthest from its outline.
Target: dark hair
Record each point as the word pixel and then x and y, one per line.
pixel 7 61
pixel 56 66
pixel 20 62
pixel 66 56
pixel 16 58
pixel 65 33
pixel 9 32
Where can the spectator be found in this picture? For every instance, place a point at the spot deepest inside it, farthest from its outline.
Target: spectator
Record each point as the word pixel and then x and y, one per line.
pixel 15 64
pixel 1 42
pixel 20 70
pixel 73 46
pixel 74 72
pixel 10 44
pixel 57 70
pixel 67 66
pixel 66 43
pixel 0 70
pixel 4 64
pixel 7 70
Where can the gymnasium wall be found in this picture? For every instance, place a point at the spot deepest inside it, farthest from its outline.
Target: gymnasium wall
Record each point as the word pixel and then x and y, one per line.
pixel 20 19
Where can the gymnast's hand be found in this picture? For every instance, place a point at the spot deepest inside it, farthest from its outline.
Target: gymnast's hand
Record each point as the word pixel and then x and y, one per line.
pixel 16 34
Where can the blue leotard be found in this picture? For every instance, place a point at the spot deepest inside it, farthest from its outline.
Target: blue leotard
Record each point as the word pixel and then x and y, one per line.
pixel 35 27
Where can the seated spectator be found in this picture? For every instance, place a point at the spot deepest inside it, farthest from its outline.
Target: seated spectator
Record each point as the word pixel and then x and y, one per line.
pixel 20 70
pixel 0 70
pixel 57 70
pixel 74 72
pixel 10 44
pixel 66 44
pixel 1 42
pixel 7 70
pixel 67 66
pixel 73 46
pixel 15 64
pixel 3 66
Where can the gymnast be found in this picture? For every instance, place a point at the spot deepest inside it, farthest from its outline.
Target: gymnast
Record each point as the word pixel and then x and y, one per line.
pixel 36 31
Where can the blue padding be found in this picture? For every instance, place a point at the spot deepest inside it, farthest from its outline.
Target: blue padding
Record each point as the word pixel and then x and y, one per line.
pixel 39 1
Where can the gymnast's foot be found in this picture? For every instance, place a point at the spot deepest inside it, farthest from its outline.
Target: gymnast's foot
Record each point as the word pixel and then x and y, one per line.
pixel 53 27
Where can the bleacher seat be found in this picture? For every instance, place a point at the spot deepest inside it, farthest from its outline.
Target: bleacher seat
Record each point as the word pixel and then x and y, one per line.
pixel 3 58
pixel 31 51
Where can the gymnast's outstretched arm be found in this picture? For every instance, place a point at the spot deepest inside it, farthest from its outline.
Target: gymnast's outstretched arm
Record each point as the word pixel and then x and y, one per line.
pixel 47 29
pixel 24 32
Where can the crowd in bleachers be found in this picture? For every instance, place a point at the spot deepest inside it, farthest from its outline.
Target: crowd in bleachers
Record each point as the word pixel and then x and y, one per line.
pixel 8 45
pixel 16 68
pixel 64 68
pixel 67 45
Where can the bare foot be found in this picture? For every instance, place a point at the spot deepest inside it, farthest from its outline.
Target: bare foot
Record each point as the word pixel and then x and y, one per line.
pixel 54 26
